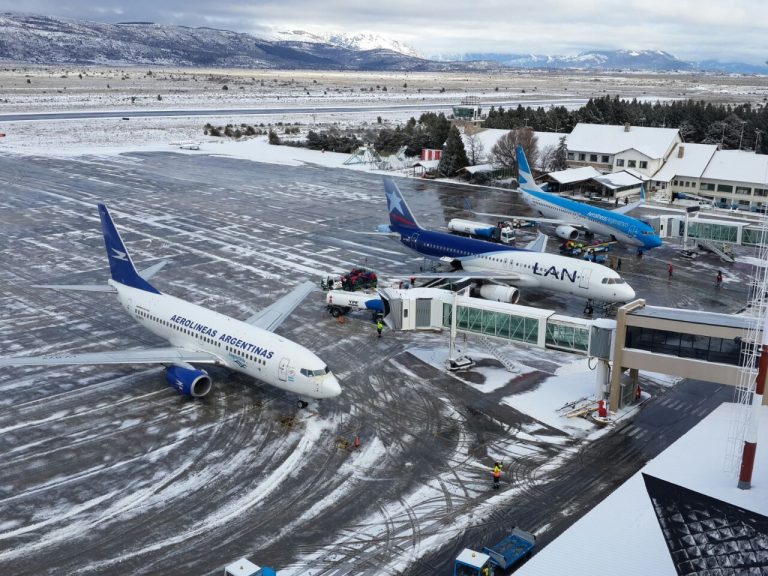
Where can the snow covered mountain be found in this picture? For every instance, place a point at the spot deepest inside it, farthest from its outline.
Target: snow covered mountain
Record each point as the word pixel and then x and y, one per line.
pixel 594 59
pixel 46 40
pixel 349 41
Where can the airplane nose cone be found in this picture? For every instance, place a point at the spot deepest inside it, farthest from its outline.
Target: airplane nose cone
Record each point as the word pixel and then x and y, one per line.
pixel 629 293
pixel 654 242
pixel 331 386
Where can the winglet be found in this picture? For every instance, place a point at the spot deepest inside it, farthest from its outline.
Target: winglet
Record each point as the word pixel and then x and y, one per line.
pixel 527 183
pixel 400 215
pixel 120 263
pixel 642 192
pixel 539 244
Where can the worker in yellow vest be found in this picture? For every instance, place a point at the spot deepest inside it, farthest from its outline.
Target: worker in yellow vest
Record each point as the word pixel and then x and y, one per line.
pixel 496 475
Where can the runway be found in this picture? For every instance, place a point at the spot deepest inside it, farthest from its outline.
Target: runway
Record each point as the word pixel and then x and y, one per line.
pixel 106 470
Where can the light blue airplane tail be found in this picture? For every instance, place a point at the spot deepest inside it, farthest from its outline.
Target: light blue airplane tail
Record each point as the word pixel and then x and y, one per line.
pixel 400 215
pixel 120 263
pixel 527 183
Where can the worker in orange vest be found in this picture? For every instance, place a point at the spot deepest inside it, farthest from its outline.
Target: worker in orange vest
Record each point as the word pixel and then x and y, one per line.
pixel 496 475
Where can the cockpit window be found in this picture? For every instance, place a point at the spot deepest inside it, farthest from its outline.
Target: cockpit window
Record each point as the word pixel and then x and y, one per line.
pixel 309 373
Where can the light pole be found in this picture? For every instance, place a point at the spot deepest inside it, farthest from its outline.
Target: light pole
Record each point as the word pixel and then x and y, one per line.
pixel 741 137
pixel 757 138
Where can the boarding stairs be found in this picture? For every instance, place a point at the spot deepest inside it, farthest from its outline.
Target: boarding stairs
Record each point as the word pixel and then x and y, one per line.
pixel 712 247
pixel 493 348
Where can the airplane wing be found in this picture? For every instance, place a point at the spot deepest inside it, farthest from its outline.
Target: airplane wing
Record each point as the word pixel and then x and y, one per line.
pixel 78 287
pixel 273 315
pixel 145 356
pixel 535 219
pixel 627 207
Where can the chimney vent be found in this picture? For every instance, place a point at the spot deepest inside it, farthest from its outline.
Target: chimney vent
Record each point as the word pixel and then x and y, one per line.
pixel 626 127
pixel 680 151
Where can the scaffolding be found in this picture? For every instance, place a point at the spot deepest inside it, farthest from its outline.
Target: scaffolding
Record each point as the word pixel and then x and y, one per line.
pixel 757 311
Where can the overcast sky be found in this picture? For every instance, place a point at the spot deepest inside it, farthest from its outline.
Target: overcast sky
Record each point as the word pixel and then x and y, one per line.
pixel 725 30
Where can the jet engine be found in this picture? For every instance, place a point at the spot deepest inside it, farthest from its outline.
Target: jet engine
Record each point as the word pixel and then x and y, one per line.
pixel 188 380
pixel 566 232
pixel 497 293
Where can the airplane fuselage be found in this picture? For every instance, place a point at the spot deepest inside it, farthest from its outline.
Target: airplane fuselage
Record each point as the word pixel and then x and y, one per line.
pixel 535 269
pixel 625 229
pixel 239 346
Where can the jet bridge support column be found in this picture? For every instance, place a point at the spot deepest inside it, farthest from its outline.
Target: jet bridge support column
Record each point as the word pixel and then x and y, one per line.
pixel 618 348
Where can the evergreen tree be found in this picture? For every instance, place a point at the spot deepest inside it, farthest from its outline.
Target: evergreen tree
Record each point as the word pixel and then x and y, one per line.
pixel 454 155
pixel 560 158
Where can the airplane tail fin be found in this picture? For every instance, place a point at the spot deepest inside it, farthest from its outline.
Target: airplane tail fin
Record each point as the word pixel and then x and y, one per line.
pixel 527 183
pixel 400 215
pixel 120 263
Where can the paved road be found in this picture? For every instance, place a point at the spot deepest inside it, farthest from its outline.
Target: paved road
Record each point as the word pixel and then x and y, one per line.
pixel 107 470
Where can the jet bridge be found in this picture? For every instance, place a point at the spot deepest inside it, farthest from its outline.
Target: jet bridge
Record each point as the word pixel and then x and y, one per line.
pixel 431 309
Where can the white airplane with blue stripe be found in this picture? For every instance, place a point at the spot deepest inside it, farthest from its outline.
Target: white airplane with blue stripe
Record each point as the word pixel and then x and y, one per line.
pixel 571 217
pixel 197 335
pixel 502 267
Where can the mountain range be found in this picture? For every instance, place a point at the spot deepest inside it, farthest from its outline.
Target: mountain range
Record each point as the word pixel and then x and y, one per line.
pixel 35 39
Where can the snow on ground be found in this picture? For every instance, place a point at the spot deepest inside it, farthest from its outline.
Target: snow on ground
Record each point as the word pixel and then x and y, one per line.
pixel 623 530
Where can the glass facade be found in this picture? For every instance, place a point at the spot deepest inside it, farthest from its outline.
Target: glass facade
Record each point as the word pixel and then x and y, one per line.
pixel 499 324
pixel 707 348
pixel 567 337
pixel 712 231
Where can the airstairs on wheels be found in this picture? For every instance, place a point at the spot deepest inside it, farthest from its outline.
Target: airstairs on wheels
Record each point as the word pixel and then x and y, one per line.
pixel 712 247
pixel 493 348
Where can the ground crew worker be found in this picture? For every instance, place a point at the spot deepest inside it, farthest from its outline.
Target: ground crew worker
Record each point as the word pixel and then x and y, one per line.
pixel 719 279
pixel 486 570
pixel 669 270
pixel 496 475
pixel 379 326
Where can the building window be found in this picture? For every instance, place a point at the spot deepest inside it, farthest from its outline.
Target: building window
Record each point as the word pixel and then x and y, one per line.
pixel 724 188
pixel 593 157
pixel 643 164
pixel 582 157
pixel 674 182
pixel 693 184
pixel 760 192
pixel 619 161
pixel 743 190
pixel 707 186
pixel 605 159
pixel 631 163
pixel 570 156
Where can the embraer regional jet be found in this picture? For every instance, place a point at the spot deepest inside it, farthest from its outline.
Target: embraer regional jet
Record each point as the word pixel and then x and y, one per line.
pixel 200 336
pixel 504 267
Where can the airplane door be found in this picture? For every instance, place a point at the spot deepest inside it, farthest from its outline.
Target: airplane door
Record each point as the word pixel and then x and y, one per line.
pixel 584 278
pixel 282 369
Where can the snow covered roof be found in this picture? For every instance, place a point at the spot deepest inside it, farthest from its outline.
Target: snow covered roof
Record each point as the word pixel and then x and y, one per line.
pixel 426 164
pixel 609 139
pixel 738 166
pixel 618 180
pixel 574 175
pixel 691 165
pixel 478 168
pixel 547 139
pixel 622 533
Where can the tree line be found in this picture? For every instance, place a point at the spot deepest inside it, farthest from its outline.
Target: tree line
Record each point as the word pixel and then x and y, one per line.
pixel 734 127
